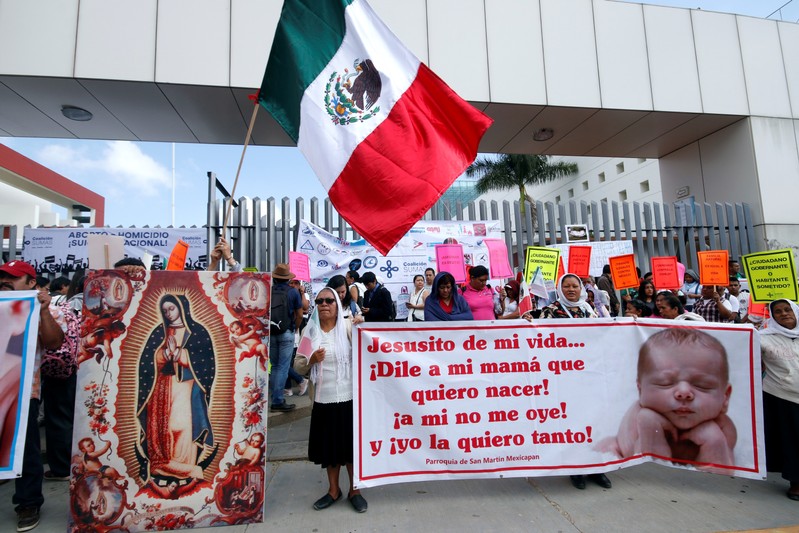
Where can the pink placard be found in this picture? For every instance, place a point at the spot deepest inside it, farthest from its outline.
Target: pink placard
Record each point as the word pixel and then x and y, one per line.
pixel 300 264
pixel 498 258
pixel 449 258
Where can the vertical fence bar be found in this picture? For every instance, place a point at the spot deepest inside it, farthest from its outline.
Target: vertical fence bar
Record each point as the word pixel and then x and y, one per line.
pixel 650 240
pixel 754 244
pixel 595 220
pixel 725 229
pixel 539 211
pixel 616 226
pixel 659 229
pixel 669 231
pixel 285 230
pixel 271 234
pixel 639 238
pixel 551 227
pixel 736 231
pixel 605 222
pixel 257 238
pixel 701 229
pixel 713 243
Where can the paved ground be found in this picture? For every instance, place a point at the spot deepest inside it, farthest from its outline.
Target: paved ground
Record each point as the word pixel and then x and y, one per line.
pixel 647 498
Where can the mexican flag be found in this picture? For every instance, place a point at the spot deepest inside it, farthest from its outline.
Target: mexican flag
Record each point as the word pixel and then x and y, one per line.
pixel 384 134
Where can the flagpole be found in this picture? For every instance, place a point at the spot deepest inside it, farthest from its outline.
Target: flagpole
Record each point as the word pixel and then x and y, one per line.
pixel 238 170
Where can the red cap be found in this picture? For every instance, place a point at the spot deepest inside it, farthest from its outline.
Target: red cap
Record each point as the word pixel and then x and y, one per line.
pixel 17 269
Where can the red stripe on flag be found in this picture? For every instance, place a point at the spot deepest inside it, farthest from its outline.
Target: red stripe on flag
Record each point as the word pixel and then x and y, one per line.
pixel 399 171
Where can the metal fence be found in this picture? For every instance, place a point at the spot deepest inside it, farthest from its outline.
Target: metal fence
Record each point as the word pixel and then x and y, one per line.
pixel 264 231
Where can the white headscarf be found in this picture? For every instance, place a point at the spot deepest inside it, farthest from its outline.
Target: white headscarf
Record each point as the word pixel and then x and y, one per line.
pixel 581 303
pixel 311 340
pixel 772 327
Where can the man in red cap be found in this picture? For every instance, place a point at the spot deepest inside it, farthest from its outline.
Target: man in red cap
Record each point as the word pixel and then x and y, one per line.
pixel 28 497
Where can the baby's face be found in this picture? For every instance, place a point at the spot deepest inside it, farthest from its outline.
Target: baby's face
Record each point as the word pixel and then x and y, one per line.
pixel 686 385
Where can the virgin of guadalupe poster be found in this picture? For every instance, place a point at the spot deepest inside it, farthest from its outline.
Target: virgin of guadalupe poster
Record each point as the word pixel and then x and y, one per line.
pixel 158 444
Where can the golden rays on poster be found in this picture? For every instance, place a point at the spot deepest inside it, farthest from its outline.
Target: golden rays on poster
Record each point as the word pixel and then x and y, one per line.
pixel 148 318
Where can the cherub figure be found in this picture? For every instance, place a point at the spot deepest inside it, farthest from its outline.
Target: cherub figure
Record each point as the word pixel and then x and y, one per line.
pixel 246 334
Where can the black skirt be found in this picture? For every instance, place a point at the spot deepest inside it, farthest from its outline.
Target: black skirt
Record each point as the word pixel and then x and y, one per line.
pixel 330 440
pixel 781 428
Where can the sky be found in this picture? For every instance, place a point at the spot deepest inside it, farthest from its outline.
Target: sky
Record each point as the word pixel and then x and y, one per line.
pixel 136 177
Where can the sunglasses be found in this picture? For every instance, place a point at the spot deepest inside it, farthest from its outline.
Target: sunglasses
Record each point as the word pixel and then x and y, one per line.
pixel 328 301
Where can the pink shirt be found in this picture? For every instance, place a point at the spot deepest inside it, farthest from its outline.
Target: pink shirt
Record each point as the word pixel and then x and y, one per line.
pixel 480 302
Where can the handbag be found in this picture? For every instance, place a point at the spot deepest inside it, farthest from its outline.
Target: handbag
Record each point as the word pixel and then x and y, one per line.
pixel 62 362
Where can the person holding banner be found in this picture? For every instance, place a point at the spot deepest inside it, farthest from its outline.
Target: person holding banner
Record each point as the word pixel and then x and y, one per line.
pixel 571 304
pixel 713 307
pixel 779 346
pixel 416 303
pixel 444 302
pixel 328 339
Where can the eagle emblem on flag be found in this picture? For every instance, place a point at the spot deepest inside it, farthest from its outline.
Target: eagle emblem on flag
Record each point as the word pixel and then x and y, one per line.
pixel 351 96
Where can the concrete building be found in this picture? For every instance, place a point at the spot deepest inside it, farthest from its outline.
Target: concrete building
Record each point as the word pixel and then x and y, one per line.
pixel 713 96
pixel 599 179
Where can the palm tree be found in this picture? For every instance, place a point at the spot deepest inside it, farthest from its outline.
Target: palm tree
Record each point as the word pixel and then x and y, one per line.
pixel 509 171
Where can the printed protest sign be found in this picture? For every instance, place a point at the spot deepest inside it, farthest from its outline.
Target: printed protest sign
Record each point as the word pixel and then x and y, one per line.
pixel 449 258
pixel 579 260
pixel 546 258
pixel 665 274
pixel 300 265
pixel 552 397
pixel 622 269
pixel 19 330
pixel 170 420
pixel 714 268
pixel 177 259
pixel 498 258
pixel 771 275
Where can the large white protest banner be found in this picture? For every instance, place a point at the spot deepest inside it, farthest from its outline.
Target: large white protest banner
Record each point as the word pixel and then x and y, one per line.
pixel 19 327
pixel 479 399
pixel 64 250
pixel 415 252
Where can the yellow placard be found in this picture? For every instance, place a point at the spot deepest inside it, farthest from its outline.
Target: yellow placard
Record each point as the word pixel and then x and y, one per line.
pixel 546 258
pixel 771 275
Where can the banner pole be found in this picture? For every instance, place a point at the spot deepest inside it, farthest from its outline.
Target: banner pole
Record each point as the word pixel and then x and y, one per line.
pixel 238 170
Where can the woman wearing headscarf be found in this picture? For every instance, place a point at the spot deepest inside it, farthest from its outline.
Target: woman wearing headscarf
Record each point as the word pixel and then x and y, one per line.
pixel 691 289
pixel 326 351
pixel 444 302
pixel 571 304
pixel 510 300
pixel 571 300
pixel 594 299
pixel 779 346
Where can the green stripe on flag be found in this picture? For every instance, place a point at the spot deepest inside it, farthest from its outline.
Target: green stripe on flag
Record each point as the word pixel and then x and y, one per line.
pixel 307 37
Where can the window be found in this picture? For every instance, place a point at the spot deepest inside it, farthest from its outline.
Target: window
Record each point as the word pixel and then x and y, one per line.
pixel 622 196
pixel 557 199
pixel 620 168
pixel 585 185
pixel 601 177
pixel 588 209
pixel 571 193
pixel 641 160
pixel 645 186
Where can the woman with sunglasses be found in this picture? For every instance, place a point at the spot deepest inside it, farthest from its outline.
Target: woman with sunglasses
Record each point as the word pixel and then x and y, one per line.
pixel 325 350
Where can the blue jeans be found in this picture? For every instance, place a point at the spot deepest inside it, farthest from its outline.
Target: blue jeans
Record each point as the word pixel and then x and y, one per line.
pixel 281 347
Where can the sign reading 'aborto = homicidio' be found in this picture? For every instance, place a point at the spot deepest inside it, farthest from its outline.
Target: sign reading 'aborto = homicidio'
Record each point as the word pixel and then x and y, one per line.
pixel 771 275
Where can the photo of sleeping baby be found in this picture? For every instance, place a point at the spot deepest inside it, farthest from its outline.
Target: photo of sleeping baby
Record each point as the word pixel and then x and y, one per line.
pixel 683 396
